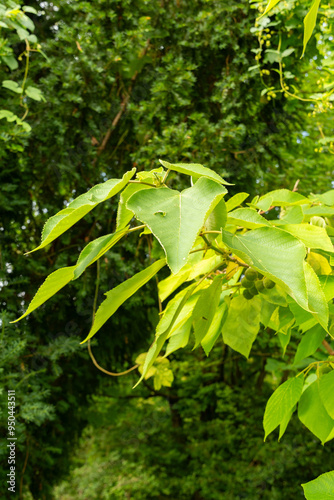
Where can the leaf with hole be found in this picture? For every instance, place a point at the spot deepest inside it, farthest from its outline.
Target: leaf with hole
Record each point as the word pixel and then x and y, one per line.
pixel 176 218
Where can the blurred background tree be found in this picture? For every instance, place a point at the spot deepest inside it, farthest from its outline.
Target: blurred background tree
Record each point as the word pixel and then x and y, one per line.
pixel 126 82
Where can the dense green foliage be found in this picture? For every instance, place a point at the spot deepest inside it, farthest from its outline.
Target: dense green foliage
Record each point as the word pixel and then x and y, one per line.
pixel 152 83
pixel 214 448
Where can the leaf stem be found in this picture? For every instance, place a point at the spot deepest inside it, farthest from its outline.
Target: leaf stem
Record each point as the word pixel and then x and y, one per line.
pixel 141 182
pixel 136 228
pixel 224 253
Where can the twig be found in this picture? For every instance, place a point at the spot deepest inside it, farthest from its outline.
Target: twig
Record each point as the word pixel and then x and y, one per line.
pixel 122 109
pixel 222 252
pixel 295 187
pixel 328 347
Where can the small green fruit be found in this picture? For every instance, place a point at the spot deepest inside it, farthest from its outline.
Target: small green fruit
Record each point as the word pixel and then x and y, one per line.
pixel 251 274
pixel 259 285
pixel 254 290
pixel 246 283
pixel 248 294
pixel 268 283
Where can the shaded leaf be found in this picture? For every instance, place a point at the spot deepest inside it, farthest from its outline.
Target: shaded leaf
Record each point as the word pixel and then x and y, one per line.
pixel 205 309
pixel 161 336
pixel 316 298
pixel 326 388
pixel 242 324
pixel 281 403
pixel 215 329
pixel 309 343
pixel 312 413
pixel 11 85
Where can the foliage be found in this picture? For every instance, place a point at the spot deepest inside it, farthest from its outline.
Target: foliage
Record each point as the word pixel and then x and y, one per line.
pixel 309 20
pixel 123 82
pixel 200 439
pixel 14 19
pixel 279 289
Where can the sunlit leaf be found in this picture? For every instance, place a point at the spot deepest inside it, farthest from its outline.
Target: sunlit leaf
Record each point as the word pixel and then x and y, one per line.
pixel 78 208
pixel 321 488
pixel 118 295
pixel 176 218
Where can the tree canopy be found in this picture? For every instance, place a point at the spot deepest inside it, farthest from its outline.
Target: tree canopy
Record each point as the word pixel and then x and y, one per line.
pixel 91 91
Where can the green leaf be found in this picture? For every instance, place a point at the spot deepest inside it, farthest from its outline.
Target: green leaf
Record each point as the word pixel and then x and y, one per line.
pixel 319 210
pixel 35 93
pixel 281 198
pixel 57 280
pixel 311 236
pixel 284 339
pixel 95 249
pixel 310 342
pixel 180 338
pixel 216 220
pixel 53 283
pixel 242 324
pixel 195 170
pixel 124 215
pixel 326 388
pixel 205 309
pixel 313 414
pixel 11 62
pixel 235 201
pixel 316 298
pixel 321 488
pixel 291 215
pixel 309 22
pixel 326 198
pixel 161 336
pixel 163 375
pixel 215 329
pixel 26 8
pixel 285 422
pixel 78 208
pixel 11 85
pixel 276 254
pixel 4 113
pixel 22 33
pixel 118 295
pixel 327 284
pixel 193 269
pixel 267 309
pixel 246 217
pixel 280 404
pixel 176 218
pixel 271 4
pixel 184 313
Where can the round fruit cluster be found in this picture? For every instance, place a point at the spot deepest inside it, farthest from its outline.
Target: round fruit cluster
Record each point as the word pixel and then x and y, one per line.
pixel 253 282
